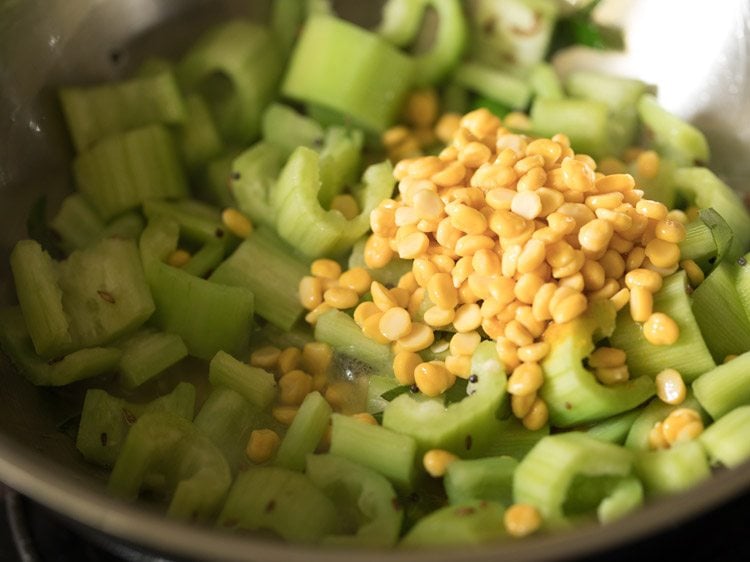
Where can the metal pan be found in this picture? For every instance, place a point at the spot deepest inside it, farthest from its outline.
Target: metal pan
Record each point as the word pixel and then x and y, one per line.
pixel 697 53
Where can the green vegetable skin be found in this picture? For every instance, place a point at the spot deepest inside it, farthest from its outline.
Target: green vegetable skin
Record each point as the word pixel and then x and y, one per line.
pixel 277 121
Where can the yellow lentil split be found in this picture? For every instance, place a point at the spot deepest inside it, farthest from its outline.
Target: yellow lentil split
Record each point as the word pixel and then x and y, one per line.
pixel 262 445
pixel 521 520
pixel 670 388
pixel 436 462
pixel 179 258
pixel 237 223
pixel 683 424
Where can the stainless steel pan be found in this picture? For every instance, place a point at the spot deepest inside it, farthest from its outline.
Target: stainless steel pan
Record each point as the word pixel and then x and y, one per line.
pixel 696 52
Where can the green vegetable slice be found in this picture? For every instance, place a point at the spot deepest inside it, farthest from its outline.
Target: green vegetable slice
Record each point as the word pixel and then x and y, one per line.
pixel 352 59
pixel 255 385
pixel 339 330
pixel 275 285
pixel 703 187
pixel 673 470
pixel 227 419
pixel 106 420
pixel 146 354
pixel 673 137
pixel 301 220
pixel 469 523
pixel 95 112
pixel 394 455
pixel 494 84
pixel 253 176
pixel 58 371
pixel 189 467
pixel 304 435
pixel 725 387
pixel 544 477
pixel 719 312
pixel 511 33
pixel 366 501
pixel 402 22
pixel 689 355
pixel 36 277
pixel 122 171
pixel 236 66
pixel 727 440
pixel 208 316
pixel 464 428
pixel 572 393
pixel 280 500
pixel 489 478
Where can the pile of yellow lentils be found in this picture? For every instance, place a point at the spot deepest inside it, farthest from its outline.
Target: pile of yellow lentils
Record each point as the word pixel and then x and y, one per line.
pixel 507 235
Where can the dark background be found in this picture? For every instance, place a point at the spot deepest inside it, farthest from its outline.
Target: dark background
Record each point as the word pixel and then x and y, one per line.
pixel 720 535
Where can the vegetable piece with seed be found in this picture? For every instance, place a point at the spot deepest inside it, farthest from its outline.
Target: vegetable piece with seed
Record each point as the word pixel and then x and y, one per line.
pixel 253 175
pixel 305 433
pixel 184 464
pixel 359 490
pixel 199 222
pixel 468 523
pixel 106 420
pixel 489 478
pixel 104 291
pixel 94 296
pixel 571 391
pixel 279 500
pixel 463 428
pixel 392 454
pixel 547 475
pixel 287 129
